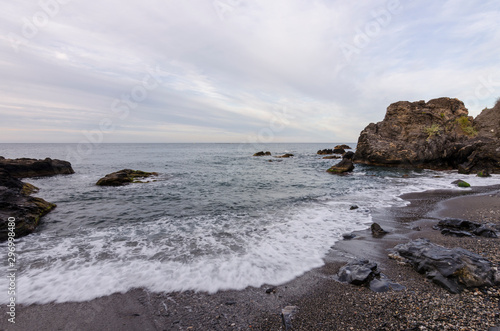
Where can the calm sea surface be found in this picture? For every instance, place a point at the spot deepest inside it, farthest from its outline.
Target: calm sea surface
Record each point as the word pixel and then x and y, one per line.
pixel 215 218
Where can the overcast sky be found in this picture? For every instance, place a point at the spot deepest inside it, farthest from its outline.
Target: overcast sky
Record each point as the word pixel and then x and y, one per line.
pixel 235 70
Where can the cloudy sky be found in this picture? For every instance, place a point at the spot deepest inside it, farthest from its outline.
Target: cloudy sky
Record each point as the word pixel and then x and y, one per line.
pixel 235 70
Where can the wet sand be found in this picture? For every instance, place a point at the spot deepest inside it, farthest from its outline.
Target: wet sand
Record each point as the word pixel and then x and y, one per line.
pixel 324 303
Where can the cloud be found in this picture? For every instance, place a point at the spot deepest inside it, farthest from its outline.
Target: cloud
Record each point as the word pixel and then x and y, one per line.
pixel 230 70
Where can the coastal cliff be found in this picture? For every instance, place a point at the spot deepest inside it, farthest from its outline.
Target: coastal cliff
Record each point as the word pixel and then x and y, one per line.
pixel 438 134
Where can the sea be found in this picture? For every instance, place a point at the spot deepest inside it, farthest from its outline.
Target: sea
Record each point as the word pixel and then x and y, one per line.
pixel 215 218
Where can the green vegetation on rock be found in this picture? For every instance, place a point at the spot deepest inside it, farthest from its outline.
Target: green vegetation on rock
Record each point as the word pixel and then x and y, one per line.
pixel 466 126
pixel 433 130
pixel 463 184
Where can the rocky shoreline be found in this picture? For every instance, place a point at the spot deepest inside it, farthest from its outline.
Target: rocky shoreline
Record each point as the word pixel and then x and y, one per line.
pixel 323 302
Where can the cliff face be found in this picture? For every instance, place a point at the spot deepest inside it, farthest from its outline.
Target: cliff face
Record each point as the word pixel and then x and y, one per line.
pixel 437 134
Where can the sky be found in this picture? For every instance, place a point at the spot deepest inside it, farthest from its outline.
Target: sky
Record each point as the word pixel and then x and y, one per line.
pixel 74 71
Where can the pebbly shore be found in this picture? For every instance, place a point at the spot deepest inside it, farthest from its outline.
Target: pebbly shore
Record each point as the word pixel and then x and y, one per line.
pixel 323 303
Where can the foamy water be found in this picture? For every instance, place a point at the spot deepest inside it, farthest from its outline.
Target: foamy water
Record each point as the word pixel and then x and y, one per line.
pixel 233 222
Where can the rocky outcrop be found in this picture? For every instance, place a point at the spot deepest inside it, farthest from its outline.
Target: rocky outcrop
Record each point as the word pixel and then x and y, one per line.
pixel 454 269
pixel 124 177
pixel 262 153
pixel 16 203
pixel 437 134
pixel 23 168
pixel 463 228
pixel 325 151
pixel 343 146
pixel 346 165
pixel 366 273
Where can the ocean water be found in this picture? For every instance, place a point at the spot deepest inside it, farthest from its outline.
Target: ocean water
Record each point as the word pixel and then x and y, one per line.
pixel 215 218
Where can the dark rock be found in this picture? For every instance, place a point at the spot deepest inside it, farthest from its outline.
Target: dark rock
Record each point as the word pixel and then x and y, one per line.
pixel 271 290
pixel 343 146
pixel 353 207
pixel 230 303
pixel 124 177
pixel 358 272
pixel 463 228
pixel 284 155
pixel 346 165
pixel 377 230
pixel 453 269
pixel 332 157
pixel 324 151
pixel 348 236
pixel 287 314
pixel 438 134
pixel 364 272
pixel 23 168
pixel 262 153
pixel 338 151
pixel 16 202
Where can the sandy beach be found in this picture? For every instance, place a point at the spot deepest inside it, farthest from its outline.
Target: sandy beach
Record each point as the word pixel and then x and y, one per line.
pixel 323 302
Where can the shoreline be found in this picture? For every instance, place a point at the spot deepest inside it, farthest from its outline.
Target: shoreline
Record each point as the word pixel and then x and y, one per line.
pixel 324 304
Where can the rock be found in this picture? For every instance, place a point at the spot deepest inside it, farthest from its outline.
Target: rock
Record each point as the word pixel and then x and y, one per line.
pixel 453 269
pixel 262 153
pixel 365 273
pixel 346 165
pixel 287 314
pixel 343 146
pixel 353 207
pixel 463 228
pixel 483 173
pixel 23 168
pixel 338 151
pixel 271 290
pixel 377 230
pixel 461 183
pixel 348 236
pixel 324 151
pixel 332 157
pixel 16 202
pixel 358 272
pixel 124 177
pixel 284 155
pixel 437 134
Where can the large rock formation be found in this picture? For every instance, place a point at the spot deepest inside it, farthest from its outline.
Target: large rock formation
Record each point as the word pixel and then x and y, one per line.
pixel 16 203
pixel 23 168
pixel 437 134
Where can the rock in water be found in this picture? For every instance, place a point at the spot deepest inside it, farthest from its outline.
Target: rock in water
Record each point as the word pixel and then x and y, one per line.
pixel 377 230
pixel 346 165
pixel 124 177
pixel 262 153
pixel 15 202
pixel 453 269
pixel 23 168
pixel 438 134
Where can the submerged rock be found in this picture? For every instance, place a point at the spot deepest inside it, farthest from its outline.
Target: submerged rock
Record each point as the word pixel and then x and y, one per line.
pixel 23 168
pixel 124 177
pixel 284 155
pixel 346 165
pixel 331 157
pixel 453 269
pixel 16 203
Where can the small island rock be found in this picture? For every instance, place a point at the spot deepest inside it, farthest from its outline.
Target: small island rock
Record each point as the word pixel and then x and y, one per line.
pixel 124 177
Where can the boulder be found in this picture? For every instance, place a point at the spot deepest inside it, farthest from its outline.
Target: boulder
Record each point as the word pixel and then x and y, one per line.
pixel 23 168
pixel 377 230
pixel 124 177
pixel 437 134
pixel 461 183
pixel 463 228
pixel 16 202
pixel 366 273
pixel 338 151
pixel 453 269
pixel 325 151
pixel 332 157
pixel 262 153
pixel 346 165
pixel 343 146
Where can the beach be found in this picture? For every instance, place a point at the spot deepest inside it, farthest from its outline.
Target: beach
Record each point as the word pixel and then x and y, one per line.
pixel 323 303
